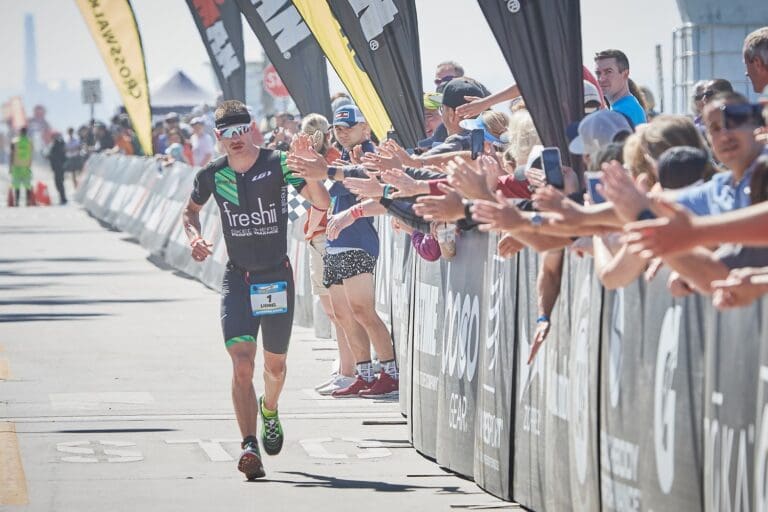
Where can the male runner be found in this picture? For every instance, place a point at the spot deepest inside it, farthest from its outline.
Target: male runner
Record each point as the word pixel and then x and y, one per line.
pixel 21 167
pixel 249 185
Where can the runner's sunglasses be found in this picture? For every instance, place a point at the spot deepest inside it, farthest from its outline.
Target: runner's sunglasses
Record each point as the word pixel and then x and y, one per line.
pixel 230 132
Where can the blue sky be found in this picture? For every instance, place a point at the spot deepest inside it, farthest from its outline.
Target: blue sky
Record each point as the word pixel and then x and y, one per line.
pixel 450 29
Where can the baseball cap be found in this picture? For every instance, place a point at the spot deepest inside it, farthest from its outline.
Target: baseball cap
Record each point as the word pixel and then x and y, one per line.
pixel 591 93
pixel 432 100
pixel 341 101
pixel 171 116
pixel 598 129
pixel 197 120
pixel 456 89
pixel 348 115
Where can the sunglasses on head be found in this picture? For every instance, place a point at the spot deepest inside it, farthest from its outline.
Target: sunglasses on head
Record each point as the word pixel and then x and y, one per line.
pixel 231 132
pixel 736 116
pixel 448 78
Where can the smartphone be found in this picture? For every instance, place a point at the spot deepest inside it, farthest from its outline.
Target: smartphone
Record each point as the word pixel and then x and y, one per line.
pixel 392 135
pixel 553 169
pixel 593 178
pixel 477 139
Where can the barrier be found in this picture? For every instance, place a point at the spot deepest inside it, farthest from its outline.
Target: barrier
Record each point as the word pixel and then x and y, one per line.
pixel 636 401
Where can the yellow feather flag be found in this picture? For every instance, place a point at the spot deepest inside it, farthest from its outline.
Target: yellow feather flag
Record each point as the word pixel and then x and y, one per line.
pixel 113 27
pixel 326 29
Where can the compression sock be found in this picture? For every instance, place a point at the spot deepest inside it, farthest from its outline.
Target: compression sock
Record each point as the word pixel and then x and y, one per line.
pixel 365 370
pixel 390 368
pixel 266 412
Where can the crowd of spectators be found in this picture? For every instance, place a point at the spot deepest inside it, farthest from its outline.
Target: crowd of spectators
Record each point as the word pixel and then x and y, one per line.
pixel 686 192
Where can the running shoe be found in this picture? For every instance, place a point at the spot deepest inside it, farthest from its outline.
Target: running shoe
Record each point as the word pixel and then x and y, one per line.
pixel 383 387
pixel 340 382
pixel 250 461
pixel 327 382
pixel 271 431
pixel 352 391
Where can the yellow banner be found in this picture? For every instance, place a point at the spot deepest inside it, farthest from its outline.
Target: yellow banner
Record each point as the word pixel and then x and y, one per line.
pixel 326 29
pixel 113 27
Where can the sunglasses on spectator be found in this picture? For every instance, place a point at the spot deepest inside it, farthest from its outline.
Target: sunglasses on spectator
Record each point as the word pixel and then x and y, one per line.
pixel 230 132
pixel 736 116
pixel 705 94
pixel 448 78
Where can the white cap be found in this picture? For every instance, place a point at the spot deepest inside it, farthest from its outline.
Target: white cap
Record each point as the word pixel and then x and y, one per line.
pixel 597 130
pixel 591 93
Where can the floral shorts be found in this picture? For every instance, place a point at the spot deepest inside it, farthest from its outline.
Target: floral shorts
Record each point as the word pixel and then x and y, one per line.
pixel 345 265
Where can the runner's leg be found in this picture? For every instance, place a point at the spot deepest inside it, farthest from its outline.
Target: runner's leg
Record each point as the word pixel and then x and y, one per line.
pixel 274 378
pixel 243 394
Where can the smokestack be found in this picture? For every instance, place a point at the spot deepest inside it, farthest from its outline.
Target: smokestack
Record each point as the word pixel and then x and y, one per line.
pixel 30 54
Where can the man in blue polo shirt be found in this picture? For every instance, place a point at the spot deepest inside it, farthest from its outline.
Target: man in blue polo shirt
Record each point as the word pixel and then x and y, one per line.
pixel 612 72
pixel 731 135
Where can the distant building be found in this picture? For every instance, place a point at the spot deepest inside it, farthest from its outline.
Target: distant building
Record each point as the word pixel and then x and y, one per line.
pixel 709 44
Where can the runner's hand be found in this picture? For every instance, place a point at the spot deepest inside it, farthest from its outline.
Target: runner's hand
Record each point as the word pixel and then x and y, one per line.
pixel 201 249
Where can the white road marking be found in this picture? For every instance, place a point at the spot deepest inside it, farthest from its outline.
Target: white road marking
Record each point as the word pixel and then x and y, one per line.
pixel 367 449
pixel 85 453
pixel 212 448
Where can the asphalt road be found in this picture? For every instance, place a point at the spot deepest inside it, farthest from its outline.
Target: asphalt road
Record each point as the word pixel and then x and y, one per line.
pixel 115 394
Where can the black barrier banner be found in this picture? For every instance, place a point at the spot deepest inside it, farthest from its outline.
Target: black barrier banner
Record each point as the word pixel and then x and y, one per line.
pixel 222 32
pixel 493 427
pixel 624 399
pixel 385 37
pixel 650 407
pixel 462 329
pixel 293 50
pixel 761 434
pixel 733 372
pixel 401 303
pixel 528 485
pixel 541 42
pixel 571 423
pixel 428 307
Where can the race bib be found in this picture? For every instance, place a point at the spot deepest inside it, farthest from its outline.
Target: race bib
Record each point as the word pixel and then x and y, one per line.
pixel 269 298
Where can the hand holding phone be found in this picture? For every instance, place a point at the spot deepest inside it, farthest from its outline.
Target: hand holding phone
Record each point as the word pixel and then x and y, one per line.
pixel 477 141
pixel 593 179
pixel 553 168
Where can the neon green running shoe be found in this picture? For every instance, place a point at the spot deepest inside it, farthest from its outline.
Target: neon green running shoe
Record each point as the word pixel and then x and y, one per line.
pixel 271 431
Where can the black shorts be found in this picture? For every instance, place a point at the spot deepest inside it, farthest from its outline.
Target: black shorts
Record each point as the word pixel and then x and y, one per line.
pixel 238 323
pixel 345 265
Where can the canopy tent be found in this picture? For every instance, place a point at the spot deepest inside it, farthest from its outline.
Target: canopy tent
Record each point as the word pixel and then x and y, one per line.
pixel 179 94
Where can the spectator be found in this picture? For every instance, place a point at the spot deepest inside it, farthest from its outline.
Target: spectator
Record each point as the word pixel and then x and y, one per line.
pixel 103 140
pixel 447 71
pixel 57 155
pixel 202 143
pixel 455 94
pixel 756 58
pixel 175 150
pixel 650 102
pixel 714 87
pixel 74 161
pixel 612 71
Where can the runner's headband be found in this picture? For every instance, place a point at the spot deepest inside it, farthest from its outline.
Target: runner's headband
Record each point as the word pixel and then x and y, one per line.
pixel 231 119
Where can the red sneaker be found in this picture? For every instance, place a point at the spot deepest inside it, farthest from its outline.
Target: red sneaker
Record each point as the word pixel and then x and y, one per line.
pixel 353 389
pixel 383 387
